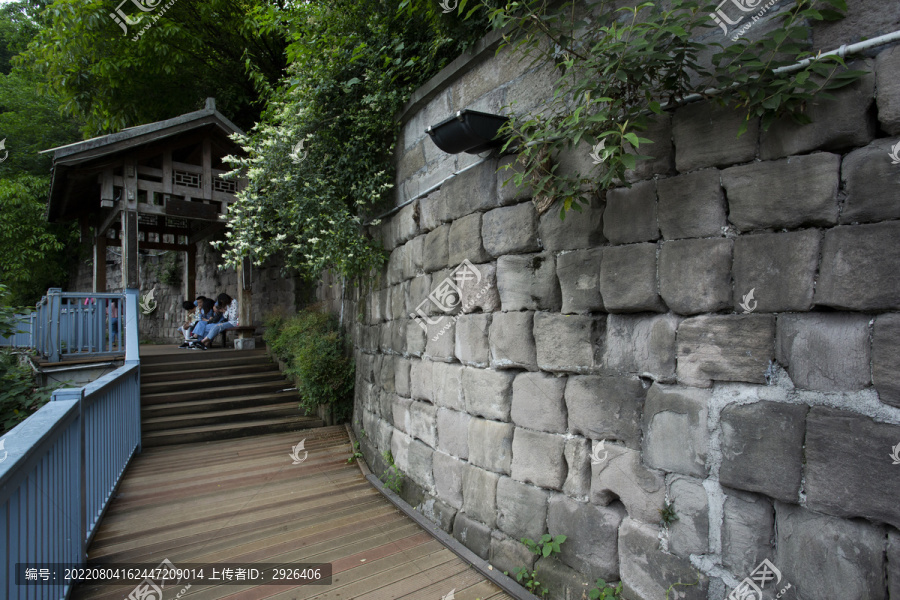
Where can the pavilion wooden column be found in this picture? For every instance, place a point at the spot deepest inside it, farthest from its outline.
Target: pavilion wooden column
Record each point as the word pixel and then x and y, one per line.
pixel 131 272
pixel 100 264
pixel 190 272
pixel 245 299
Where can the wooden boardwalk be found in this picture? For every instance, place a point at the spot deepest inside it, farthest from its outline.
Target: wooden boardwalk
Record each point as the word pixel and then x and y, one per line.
pixel 245 501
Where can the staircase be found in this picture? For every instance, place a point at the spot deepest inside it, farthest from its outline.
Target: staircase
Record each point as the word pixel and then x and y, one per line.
pixel 199 396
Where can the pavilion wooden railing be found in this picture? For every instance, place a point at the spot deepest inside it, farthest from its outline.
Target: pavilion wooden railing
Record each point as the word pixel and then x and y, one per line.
pixel 60 467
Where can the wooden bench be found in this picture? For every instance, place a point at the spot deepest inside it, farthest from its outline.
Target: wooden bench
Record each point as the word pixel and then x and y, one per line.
pixel 241 330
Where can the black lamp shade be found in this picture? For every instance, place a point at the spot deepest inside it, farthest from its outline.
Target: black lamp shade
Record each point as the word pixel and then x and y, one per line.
pixel 468 131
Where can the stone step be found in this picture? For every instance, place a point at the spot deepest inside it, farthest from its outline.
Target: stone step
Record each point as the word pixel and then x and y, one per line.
pixel 198 407
pixel 207 433
pixel 212 379
pixel 232 416
pixel 160 376
pixel 188 363
pixel 221 390
pixel 187 355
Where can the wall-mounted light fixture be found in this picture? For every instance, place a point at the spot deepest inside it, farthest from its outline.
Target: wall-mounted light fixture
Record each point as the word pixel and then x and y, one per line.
pixel 468 131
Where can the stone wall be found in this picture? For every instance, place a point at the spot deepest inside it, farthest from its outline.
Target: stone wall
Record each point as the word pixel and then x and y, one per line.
pixel 723 335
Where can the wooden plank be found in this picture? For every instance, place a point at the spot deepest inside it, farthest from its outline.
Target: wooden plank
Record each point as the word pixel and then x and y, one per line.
pixel 191 210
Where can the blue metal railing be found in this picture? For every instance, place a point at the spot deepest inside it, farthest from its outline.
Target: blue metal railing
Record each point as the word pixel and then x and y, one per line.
pixel 60 467
pixel 24 327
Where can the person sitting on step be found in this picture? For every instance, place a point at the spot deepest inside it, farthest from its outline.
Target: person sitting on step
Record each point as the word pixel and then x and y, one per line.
pixel 208 316
pixel 189 322
pixel 228 308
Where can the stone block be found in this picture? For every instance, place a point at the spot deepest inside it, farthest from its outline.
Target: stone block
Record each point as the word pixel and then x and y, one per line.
pixel 423 422
pixel 465 240
pixel 561 580
pixel 779 268
pixel 420 380
pixel 400 450
pixel 537 402
pixel 394 272
pixel 762 448
pixel 420 466
pixel 398 336
pixel 382 303
pixel 618 474
pixel 843 121
pixel 490 445
pixel 446 387
pixel 400 416
pixel 510 230
pixel 528 282
pixel 453 432
pixel 824 557
pixel 567 343
pixel 432 211
pixel 606 408
pixel 579 280
pixel 437 250
pixel 799 191
pixel 418 305
pixel 507 190
pixel 539 458
pixel 648 573
pixel 886 358
pixel 399 300
pixel 675 429
pixel 441 341
pixel 849 466
pixel 825 351
pixel 690 533
pixel 578 230
pixel 725 348
pixel 630 214
pixel 412 258
pixel 472 346
pixel 887 69
pixel 578 468
pixel 893 563
pixel 695 275
pixel 473 535
pixel 386 376
pixel 628 279
pixel 415 338
pixel 642 345
pixel 448 478
pixel 480 494
pixel 692 205
pixel 705 135
pixel 512 341
pixel 438 512
pixel 401 376
pixel 479 289
pixel 870 181
pixel 661 151
pixel 521 509
pixel 509 555
pixel 591 535
pixel 244 343
pixel 474 190
pixel 488 393
pixel 405 224
pixel 748 531
pixel 858 269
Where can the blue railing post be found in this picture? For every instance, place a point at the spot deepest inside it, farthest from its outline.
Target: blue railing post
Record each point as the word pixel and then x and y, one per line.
pixel 78 394
pixel 132 335
pixel 54 295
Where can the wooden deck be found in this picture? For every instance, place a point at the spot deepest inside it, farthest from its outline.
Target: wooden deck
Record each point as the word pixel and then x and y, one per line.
pixel 244 501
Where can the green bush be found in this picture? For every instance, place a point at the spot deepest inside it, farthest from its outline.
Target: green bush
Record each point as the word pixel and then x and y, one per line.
pixel 312 346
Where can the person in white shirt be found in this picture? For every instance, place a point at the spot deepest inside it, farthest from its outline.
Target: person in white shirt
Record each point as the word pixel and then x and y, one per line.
pixel 228 308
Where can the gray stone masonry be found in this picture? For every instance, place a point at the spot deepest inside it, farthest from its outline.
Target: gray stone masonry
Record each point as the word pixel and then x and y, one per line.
pixel 844 121
pixel 779 268
pixel 579 280
pixel 510 230
pixel 432 211
pixel 567 343
pixel 437 250
pixel 675 429
pixel 628 279
pixel 642 345
pixel 438 512
pixel 528 282
pixel 480 494
pixel 394 273
pixel 706 136
pixel 507 191
pixel 661 150
pixel 691 205
pixel 762 448
pixel 465 240
pixel 474 190
pixel 479 290
pixel 415 338
pixel 473 535
pixel 800 190
pixel 420 379
pixel 490 445
pixel 419 288
pixel 871 181
pixel 423 422
pixel 399 300
pixel 521 509
pixel 825 351
pixel 400 450
pixel 893 560
pixel 488 393
pixel 886 358
pixel 695 275
pixel 512 341
pixel 509 554
pixel 472 346
pixel 400 416
pixel 563 582
pixel 578 468
pixel 887 68
pixel 398 336
pixel 537 402
pixel 647 572
pixel 725 348
pixel 412 258
pixel 448 479
pixel 619 475
pixel 578 230
pixel 849 471
pixel 441 340
pixel 539 458
pixel 748 531
pixel 446 385
pixel 690 533
pixel 453 432
pixel 386 375
pixel 630 214
pixel 824 557
pixel 591 536
pixel 420 466
pixel 858 269
pixel 606 408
